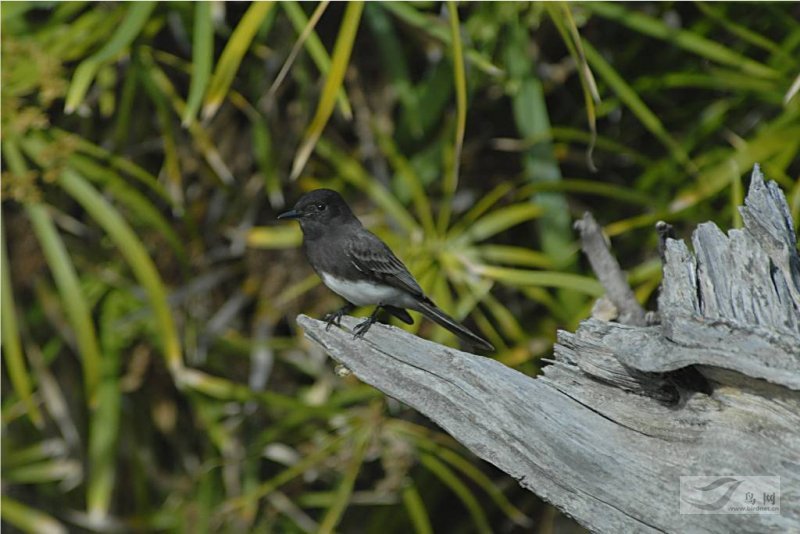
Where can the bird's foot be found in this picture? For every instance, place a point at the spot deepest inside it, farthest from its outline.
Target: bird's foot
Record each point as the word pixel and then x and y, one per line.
pixel 333 318
pixel 336 317
pixel 362 327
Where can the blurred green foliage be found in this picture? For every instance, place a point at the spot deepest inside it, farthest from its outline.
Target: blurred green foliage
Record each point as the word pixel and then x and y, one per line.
pixel 154 378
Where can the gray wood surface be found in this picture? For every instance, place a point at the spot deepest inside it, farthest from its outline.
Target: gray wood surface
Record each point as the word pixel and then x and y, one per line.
pixel 623 411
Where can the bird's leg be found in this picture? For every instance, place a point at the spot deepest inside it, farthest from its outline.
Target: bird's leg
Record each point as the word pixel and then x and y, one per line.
pixel 362 327
pixel 336 317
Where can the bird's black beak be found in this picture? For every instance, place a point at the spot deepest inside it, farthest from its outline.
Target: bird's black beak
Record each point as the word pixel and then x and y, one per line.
pixel 291 214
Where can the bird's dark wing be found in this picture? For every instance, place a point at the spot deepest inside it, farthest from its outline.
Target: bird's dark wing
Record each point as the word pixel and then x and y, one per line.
pixel 374 259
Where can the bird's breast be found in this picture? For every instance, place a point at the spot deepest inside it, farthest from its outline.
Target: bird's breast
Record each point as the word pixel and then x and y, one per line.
pixel 363 293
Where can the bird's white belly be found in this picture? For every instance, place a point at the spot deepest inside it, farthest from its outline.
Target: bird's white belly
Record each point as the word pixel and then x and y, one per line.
pixel 362 293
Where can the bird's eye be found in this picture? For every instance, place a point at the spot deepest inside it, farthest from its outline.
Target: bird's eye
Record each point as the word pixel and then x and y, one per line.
pixel 320 206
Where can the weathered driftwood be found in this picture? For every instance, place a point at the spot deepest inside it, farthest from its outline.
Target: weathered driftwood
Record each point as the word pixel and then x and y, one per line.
pixel 608 429
pixel 618 292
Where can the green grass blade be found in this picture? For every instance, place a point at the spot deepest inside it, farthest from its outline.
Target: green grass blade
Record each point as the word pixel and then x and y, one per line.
pixel 35 452
pixel 125 33
pixel 143 208
pixel 199 135
pixel 105 421
pixel 103 447
pixel 742 32
pixel 350 170
pixel 505 319
pixel 316 50
pixel 267 160
pixel 293 291
pixel 28 519
pixel 393 58
pixel 305 30
pixel 761 148
pixel 12 347
pixel 171 165
pixel 410 179
pixel 632 100
pixel 561 133
pixel 122 164
pixel 422 117
pixel 408 13
pixel 65 470
pixel 561 16
pixel 513 255
pixel 275 237
pixel 339 62
pixel 591 187
pixel 640 221
pixel 72 297
pixel 793 90
pixel 556 309
pixel 736 200
pixel 252 496
pixel 123 120
pixel 415 507
pixel 539 162
pixel 450 183
pixel 446 475
pixel 138 204
pixel 502 219
pixel 483 205
pixel 136 255
pixel 705 48
pixel 713 78
pixel 471 471
pixel 224 389
pixel 76 40
pixel 232 56
pixel 15 10
pixel 345 489
pixel 522 278
pixel 202 57
pixel 490 332
pixel 441 294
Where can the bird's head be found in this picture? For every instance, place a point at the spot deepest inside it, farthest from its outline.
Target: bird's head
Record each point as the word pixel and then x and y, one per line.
pixel 319 209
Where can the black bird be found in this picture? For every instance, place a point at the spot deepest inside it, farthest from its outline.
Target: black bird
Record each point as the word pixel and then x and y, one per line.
pixel 354 263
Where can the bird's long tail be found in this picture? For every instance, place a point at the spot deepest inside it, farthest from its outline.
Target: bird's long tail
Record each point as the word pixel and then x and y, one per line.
pixel 429 310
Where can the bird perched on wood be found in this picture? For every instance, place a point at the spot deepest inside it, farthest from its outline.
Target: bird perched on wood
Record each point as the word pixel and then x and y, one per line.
pixel 354 263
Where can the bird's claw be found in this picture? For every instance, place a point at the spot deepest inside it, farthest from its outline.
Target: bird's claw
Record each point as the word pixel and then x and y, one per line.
pixel 333 318
pixel 361 328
